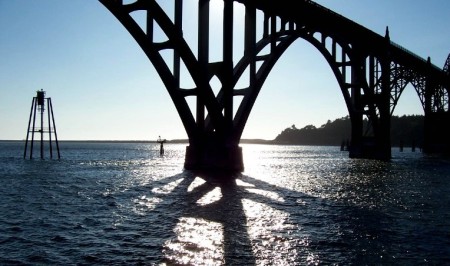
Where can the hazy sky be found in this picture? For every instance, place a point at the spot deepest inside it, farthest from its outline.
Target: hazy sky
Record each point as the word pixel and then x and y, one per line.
pixel 102 85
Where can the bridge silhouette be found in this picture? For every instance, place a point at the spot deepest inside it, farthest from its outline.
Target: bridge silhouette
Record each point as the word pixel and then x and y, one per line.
pixel 372 71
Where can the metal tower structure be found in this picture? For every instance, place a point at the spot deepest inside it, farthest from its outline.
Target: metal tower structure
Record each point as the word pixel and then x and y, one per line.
pixel 38 106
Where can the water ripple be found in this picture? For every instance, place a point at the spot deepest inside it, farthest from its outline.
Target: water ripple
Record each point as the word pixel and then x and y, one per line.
pixel 124 204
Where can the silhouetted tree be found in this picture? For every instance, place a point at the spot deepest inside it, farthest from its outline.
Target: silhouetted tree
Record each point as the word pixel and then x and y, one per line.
pixel 408 129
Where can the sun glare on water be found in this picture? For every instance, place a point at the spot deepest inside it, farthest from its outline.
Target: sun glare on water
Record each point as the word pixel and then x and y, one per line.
pixel 203 235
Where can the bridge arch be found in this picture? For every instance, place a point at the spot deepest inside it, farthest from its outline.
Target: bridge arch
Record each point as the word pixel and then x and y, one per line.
pixel 340 68
pixel 274 56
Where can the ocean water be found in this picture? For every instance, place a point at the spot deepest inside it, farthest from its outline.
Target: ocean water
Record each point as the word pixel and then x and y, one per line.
pixel 124 204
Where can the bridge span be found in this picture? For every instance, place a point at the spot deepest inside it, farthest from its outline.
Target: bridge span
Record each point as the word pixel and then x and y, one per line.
pixel 372 71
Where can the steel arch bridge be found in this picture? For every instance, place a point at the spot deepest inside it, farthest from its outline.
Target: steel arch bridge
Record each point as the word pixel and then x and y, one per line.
pixel 371 70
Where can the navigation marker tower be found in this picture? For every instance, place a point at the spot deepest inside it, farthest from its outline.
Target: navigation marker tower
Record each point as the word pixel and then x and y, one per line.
pixel 161 148
pixel 38 105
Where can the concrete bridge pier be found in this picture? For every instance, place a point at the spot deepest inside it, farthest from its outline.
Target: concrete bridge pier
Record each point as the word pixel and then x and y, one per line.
pixel 437 135
pixel 370 148
pixel 214 155
pixel 375 146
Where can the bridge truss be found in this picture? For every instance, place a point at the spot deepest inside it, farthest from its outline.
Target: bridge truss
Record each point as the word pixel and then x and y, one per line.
pixel 371 71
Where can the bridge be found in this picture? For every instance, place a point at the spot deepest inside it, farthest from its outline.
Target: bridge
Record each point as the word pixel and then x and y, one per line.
pixel 372 71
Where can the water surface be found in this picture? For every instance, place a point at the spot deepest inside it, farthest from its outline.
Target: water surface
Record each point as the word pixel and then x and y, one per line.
pixel 124 204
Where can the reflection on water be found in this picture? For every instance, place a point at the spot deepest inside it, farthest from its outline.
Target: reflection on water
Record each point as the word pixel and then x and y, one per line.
pixel 198 242
pixel 123 203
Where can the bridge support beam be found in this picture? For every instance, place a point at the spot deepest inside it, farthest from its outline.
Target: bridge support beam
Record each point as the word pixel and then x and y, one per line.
pixel 214 156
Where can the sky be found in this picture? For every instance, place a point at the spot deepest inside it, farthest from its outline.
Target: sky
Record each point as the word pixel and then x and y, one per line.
pixel 103 87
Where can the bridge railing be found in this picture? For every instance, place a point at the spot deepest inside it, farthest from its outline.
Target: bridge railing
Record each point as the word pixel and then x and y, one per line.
pixel 407 51
pixel 355 23
pixel 413 54
pixel 333 13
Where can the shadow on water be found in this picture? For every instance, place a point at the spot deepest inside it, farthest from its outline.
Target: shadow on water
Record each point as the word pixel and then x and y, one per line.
pixel 316 230
pixel 228 211
pixel 376 214
pixel 236 243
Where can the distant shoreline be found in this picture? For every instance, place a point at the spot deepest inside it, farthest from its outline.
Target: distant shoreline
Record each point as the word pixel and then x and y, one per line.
pixel 184 141
pixel 255 141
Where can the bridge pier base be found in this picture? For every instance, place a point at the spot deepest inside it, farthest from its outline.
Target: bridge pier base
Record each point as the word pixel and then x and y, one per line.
pixel 368 148
pixel 437 135
pixel 214 158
